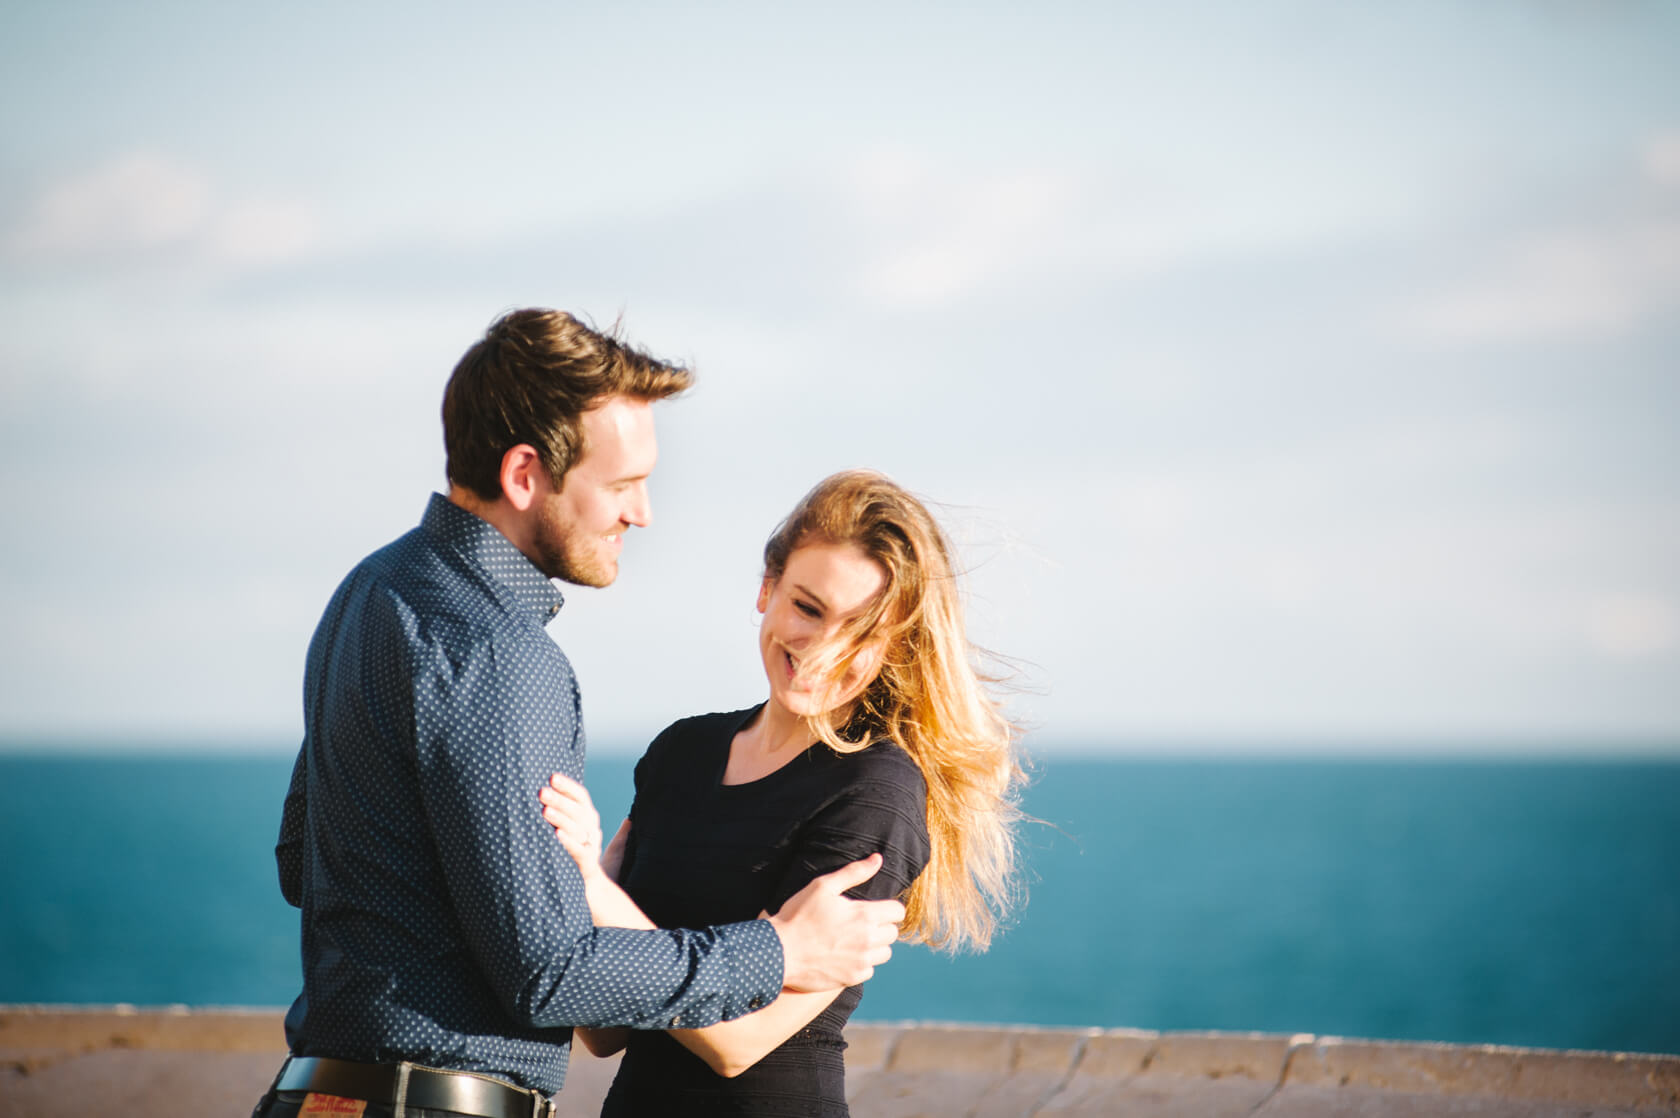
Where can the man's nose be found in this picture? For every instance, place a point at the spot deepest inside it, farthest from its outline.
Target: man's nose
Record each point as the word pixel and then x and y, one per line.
pixel 639 510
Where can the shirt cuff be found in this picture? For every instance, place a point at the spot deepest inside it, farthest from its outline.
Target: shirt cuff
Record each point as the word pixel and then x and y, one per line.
pixel 753 951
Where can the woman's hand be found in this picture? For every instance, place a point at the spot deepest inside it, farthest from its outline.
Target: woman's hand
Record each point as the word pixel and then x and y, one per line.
pixel 569 810
pixel 576 823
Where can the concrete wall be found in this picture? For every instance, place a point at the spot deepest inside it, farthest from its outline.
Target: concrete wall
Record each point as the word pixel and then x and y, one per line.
pixel 56 1061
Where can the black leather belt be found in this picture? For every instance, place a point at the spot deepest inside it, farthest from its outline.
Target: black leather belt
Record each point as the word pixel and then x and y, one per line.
pixel 462 1091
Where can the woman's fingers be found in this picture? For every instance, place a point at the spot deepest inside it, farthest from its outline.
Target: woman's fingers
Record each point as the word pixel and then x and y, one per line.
pixel 582 855
pixel 569 798
pixel 567 808
pixel 560 796
pixel 563 802
pixel 565 786
pixel 565 821
pixel 582 844
pixel 572 823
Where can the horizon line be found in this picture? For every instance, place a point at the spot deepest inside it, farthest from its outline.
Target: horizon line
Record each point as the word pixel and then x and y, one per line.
pixel 1159 746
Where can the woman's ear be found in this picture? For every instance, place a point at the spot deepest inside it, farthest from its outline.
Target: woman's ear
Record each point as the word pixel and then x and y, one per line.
pixel 861 669
pixel 869 658
pixel 764 593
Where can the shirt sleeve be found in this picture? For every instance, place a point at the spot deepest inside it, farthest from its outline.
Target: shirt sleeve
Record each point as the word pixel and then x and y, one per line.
pixel 881 809
pixel 490 730
pixel 288 850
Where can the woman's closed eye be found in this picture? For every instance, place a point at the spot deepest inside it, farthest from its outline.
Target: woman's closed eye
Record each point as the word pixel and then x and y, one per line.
pixel 807 609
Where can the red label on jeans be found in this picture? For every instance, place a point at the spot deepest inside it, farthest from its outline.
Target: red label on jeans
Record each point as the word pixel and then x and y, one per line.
pixel 324 1105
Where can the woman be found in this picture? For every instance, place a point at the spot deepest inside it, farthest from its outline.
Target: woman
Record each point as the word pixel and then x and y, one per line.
pixel 877 737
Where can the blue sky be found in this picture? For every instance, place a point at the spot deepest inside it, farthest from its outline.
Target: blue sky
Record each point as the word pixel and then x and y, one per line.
pixel 1292 374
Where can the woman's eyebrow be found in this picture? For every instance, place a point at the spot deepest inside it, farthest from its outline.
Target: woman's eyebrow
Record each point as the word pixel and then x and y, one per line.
pixel 805 590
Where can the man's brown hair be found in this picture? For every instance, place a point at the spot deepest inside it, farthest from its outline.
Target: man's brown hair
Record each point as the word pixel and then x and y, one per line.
pixel 529 380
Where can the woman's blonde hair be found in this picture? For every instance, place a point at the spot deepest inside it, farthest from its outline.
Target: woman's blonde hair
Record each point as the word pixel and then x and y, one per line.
pixel 929 698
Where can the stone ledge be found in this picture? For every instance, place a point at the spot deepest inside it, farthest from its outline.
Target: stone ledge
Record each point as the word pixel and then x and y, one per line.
pixel 65 1030
pixel 74 1060
pixel 1613 1078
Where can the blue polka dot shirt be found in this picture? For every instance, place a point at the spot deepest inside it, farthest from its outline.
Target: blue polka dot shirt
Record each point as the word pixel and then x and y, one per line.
pixel 442 922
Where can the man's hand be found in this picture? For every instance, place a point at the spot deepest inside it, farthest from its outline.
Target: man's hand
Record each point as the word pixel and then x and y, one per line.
pixel 830 940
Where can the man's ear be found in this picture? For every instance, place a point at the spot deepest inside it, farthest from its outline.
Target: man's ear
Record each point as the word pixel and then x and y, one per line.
pixel 523 477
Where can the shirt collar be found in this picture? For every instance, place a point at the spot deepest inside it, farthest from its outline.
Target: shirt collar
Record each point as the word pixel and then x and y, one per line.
pixel 483 544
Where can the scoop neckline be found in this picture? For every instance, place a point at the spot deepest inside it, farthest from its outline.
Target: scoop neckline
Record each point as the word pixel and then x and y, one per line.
pixel 728 740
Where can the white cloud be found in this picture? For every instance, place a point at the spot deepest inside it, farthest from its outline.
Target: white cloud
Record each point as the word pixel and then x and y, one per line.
pixel 1562 285
pixel 139 201
pixel 194 360
pixel 144 206
pixel 1587 279
pixel 928 235
pixel 933 238
pixel 263 231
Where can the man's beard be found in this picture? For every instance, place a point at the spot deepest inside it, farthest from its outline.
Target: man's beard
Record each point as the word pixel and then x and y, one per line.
pixel 569 555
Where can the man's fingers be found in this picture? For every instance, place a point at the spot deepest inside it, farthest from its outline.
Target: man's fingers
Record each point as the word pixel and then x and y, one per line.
pixel 830 939
pixel 884 934
pixel 854 874
pixel 879 957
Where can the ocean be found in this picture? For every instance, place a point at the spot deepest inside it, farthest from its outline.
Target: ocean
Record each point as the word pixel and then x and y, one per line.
pixel 1511 902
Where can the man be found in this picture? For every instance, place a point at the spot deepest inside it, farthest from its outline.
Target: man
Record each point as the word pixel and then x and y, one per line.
pixel 447 945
